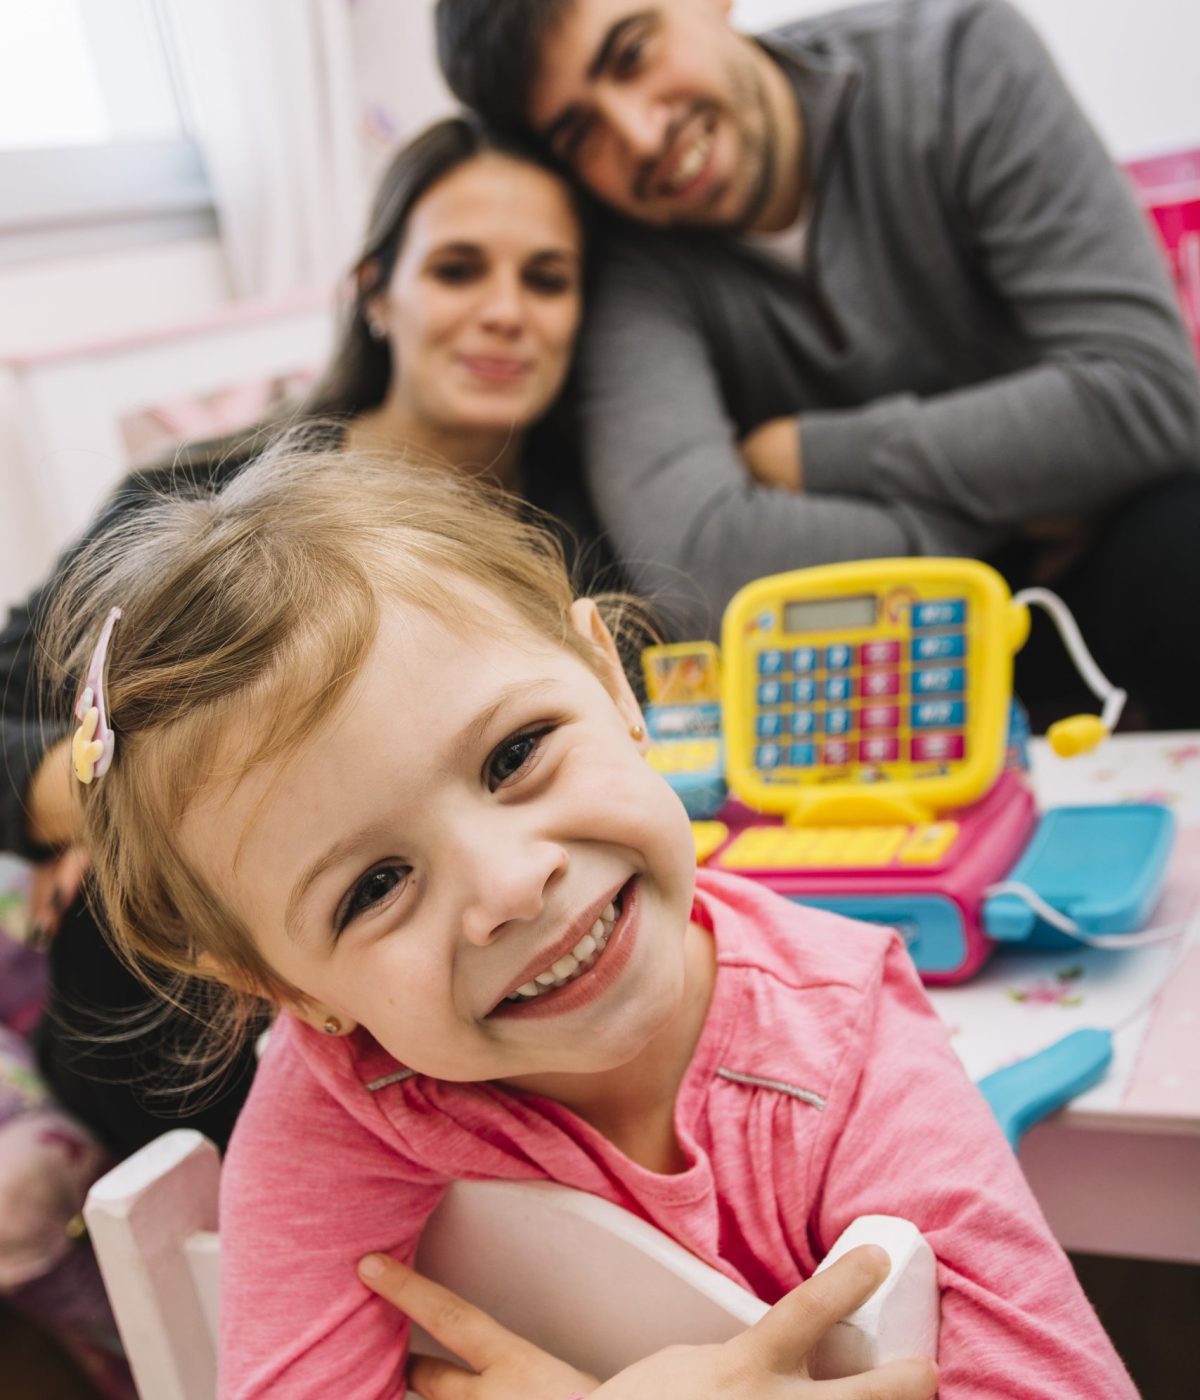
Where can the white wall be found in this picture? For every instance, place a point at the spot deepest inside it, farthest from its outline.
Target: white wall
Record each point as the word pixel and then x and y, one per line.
pixel 69 300
pixel 1134 64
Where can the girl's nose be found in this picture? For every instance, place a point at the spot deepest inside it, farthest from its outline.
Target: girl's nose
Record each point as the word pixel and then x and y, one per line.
pixel 505 887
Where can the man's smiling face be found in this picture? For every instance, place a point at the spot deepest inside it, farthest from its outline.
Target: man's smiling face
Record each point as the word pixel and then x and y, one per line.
pixel 660 109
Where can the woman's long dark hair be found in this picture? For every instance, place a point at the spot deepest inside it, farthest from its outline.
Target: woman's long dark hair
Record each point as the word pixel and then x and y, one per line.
pixel 360 369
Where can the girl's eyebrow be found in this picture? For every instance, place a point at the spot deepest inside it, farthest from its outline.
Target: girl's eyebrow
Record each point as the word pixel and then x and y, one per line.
pixel 472 733
pixel 338 852
pixel 461 747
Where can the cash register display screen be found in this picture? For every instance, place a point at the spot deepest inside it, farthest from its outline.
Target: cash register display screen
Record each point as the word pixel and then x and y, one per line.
pixel 827 613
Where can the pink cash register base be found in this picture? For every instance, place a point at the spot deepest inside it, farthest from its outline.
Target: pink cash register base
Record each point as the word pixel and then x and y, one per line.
pixel 992 833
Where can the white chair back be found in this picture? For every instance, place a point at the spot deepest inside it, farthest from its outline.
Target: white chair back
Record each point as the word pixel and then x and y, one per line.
pixel 512 1248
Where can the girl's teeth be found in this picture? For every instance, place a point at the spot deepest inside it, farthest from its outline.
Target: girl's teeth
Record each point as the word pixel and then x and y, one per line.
pixel 565 965
pixel 589 947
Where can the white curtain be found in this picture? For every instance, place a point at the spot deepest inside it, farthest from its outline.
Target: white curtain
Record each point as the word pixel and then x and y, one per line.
pixel 272 86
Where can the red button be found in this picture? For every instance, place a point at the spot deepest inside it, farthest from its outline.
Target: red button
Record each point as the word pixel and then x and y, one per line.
pixel 879 683
pixel 937 747
pixel 838 751
pixel 879 717
pixel 880 653
pixel 880 750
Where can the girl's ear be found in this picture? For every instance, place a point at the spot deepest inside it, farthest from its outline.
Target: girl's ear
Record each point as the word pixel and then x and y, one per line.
pixel 319 1017
pixel 586 619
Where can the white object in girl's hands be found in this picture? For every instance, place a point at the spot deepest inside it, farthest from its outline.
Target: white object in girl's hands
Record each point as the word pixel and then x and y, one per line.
pixel 900 1319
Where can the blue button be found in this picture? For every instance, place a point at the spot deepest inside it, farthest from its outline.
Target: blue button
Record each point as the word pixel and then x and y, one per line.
pixel 839 658
pixel 802 755
pixel 942 648
pixel 770 693
pixel 804 692
pixel 939 680
pixel 946 612
pixel 805 722
pixel 768 726
pixel 770 663
pixel 839 688
pixel 939 714
pixel 805 658
pixel 768 756
pixel 838 722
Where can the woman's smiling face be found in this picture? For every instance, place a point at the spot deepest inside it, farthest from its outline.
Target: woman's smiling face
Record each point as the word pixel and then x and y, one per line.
pixel 470 857
pixel 484 301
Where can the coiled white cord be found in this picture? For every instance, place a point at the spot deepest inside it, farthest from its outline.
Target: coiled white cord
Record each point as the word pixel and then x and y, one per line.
pixel 1112 697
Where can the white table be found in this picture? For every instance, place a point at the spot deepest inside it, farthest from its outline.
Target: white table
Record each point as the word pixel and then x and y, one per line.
pixel 1118 1171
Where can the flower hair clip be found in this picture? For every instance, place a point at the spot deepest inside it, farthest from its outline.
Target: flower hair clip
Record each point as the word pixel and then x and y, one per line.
pixel 93 743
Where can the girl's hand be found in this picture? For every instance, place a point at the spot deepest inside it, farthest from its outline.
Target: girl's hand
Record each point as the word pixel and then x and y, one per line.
pixel 503 1365
pixel 766 1362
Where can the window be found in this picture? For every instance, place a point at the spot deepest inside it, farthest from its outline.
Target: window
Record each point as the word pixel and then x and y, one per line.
pixel 95 140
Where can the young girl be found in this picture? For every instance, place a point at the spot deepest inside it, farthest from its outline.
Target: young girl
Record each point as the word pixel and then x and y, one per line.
pixel 353 749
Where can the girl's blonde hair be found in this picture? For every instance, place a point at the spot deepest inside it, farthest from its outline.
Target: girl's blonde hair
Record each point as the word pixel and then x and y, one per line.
pixel 249 613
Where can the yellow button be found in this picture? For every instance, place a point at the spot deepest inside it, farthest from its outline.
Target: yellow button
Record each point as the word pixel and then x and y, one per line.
pixel 928 844
pixel 708 836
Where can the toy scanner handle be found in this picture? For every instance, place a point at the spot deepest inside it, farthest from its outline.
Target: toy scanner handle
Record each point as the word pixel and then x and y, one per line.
pixel 1021 1094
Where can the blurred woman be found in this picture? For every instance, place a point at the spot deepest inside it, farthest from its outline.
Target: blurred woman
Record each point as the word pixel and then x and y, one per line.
pixel 457 341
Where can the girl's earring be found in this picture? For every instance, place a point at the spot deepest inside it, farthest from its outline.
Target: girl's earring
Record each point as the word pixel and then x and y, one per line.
pixel 637 733
pixel 332 1026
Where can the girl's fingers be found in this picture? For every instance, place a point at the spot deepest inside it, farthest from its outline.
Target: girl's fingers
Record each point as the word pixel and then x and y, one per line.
pixel 898 1380
pixel 460 1327
pixel 434 1379
pixel 798 1321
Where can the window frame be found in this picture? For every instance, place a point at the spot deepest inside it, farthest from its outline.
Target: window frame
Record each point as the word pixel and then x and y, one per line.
pixel 67 200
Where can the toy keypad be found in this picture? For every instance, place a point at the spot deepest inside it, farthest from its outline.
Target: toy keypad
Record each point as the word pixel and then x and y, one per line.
pixel 770 849
pixel 893 671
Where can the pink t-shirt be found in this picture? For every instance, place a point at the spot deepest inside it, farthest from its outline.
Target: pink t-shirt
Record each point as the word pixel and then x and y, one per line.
pixel 868 1112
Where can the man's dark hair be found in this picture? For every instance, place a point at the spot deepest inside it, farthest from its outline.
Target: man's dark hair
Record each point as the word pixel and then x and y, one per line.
pixel 489 52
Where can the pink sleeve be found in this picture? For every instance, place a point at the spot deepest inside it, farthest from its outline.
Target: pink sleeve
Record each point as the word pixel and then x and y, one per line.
pixel 916 1139
pixel 306 1190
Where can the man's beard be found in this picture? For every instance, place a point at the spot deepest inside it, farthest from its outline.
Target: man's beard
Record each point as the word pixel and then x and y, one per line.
pixel 761 146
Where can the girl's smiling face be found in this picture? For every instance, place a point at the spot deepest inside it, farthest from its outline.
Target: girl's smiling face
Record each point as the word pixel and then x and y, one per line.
pixel 474 818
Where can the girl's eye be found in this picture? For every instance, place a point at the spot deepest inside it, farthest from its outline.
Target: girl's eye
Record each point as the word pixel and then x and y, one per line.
pixel 372 889
pixel 511 756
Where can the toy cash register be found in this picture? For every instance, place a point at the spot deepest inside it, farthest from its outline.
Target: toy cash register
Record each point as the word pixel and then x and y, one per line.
pixel 865 715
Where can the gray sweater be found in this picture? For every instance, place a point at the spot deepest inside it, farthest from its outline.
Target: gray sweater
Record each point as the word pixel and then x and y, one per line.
pixel 984 331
